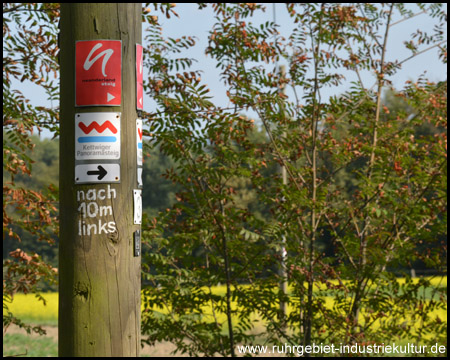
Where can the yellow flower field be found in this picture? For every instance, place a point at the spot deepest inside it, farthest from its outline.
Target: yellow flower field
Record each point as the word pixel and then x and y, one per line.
pixel 29 309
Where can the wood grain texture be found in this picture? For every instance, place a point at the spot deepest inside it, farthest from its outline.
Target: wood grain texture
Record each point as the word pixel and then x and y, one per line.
pixel 99 278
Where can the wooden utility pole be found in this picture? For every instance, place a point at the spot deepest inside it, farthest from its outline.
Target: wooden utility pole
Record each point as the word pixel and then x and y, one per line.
pixel 100 209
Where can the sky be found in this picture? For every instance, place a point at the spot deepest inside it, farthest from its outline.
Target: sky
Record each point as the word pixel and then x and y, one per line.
pixel 200 25
pixel 193 22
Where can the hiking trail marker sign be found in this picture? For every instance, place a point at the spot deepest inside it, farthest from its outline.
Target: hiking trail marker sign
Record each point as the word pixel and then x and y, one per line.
pixel 139 77
pixel 97 173
pixel 98 73
pixel 97 147
pixel 139 151
pixel 97 136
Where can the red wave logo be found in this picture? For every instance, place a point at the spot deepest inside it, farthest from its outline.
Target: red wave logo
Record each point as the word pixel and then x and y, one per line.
pixel 100 128
pixel 140 134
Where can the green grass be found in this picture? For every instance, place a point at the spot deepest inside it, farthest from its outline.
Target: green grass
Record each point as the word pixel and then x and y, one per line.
pixel 26 345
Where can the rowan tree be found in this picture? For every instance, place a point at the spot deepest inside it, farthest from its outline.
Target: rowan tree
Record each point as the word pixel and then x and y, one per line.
pixel 366 181
pixel 30 57
pixel 361 181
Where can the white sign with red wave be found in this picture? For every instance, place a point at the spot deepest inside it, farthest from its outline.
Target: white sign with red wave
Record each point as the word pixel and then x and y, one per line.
pixel 139 141
pixel 97 136
pixel 139 151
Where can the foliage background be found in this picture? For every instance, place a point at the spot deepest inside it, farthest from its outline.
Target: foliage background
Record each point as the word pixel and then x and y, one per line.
pixel 364 197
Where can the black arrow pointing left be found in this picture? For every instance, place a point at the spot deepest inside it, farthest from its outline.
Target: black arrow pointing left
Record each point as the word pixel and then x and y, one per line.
pixel 101 172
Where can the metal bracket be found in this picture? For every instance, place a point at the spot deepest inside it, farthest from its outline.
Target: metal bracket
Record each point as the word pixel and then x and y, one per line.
pixel 137 243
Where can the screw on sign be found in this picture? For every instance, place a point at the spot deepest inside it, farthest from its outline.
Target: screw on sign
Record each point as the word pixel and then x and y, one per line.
pixel 98 72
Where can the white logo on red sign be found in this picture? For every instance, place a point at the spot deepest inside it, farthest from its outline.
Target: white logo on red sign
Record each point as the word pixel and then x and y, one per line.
pixel 98 69
pixel 139 77
pixel 106 55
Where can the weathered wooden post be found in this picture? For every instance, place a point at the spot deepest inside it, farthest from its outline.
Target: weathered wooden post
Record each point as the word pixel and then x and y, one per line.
pixel 100 196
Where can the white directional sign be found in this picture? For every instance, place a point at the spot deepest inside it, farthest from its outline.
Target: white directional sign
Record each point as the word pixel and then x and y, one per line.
pixel 97 173
pixel 97 136
pixel 137 194
pixel 139 177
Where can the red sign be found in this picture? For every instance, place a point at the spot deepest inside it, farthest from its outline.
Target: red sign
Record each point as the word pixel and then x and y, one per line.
pixel 139 77
pixel 98 73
